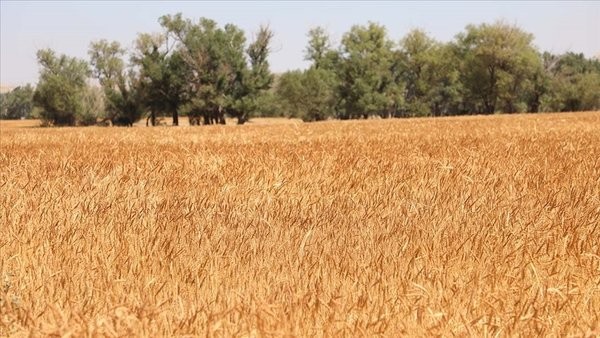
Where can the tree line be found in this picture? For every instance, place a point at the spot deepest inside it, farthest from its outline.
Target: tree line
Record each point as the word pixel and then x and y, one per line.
pixel 207 72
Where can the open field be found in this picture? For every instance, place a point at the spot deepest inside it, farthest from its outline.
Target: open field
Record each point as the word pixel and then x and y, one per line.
pixel 183 121
pixel 469 226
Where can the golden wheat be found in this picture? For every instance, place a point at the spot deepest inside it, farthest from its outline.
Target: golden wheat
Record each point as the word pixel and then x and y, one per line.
pixel 476 226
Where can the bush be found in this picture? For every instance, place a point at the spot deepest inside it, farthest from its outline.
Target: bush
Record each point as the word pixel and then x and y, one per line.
pixel 93 107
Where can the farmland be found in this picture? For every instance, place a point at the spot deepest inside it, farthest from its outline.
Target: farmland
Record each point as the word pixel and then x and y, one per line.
pixel 477 226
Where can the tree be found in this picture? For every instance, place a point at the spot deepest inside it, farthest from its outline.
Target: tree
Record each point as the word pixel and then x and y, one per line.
pixel 290 92
pixel 258 78
pixel 61 87
pixel 320 97
pixel 497 61
pixel 18 103
pixel 574 83
pixel 539 83
pixel 417 57
pixel 162 76
pixel 268 104
pixel 589 89
pixel 430 72
pixel 309 95
pixel 216 62
pixel 323 77
pixel 366 60
pixel 93 107
pixel 121 87
pixel 446 95
pixel 319 46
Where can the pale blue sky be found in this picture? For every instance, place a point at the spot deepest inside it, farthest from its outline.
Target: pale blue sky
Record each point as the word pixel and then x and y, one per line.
pixel 69 26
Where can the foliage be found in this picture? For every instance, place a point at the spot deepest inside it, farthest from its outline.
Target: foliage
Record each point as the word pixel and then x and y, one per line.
pixel 93 106
pixel 319 46
pixel 207 71
pixel 574 83
pixel 430 73
pixel 497 61
pixel 366 61
pixel 216 62
pixel 309 95
pixel 124 104
pixel 223 75
pixel 61 87
pixel 162 76
pixel 18 103
pixel 268 104
pixel 289 91
pixel 256 80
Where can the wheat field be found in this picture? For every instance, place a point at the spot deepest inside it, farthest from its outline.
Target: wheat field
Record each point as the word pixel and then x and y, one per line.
pixel 465 226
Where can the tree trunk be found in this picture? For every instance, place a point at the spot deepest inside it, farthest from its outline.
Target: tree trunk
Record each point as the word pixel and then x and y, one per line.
pixel 242 118
pixel 534 107
pixel 490 101
pixel 175 118
pixel 221 115
pixel 151 118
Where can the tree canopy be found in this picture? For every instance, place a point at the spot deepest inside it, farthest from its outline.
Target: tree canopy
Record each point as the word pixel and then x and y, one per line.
pixel 208 71
pixel 17 104
pixel 61 88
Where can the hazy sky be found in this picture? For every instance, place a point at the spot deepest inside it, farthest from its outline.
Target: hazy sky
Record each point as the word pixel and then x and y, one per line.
pixel 69 26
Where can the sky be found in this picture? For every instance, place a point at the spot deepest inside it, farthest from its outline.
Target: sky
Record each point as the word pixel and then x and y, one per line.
pixel 69 26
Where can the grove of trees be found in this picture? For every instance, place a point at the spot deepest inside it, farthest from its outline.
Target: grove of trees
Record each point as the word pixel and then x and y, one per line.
pixel 206 71
pixel 17 104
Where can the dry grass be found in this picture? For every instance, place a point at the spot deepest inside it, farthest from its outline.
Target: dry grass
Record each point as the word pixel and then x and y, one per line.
pixel 471 226
pixel 11 124
pixel 183 121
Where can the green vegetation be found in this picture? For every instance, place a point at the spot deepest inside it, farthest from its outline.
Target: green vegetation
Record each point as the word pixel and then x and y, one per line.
pixel 17 104
pixel 487 69
pixel 207 71
pixel 62 88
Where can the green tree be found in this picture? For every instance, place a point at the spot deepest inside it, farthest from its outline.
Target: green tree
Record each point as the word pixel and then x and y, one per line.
pixel 61 88
pixel 364 71
pixel 417 57
pixel 121 87
pixel 320 96
pixel 574 83
pixel 162 76
pixel 540 83
pixel 17 103
pixel 309 95
pixel 319 48
pixel 268 104
pixel 498 59
pixel 446 95
pixel 93 107
pixel 589 89
pixel 324 74
pixel 258 78
pixel 216 62
pixel 430 72
pixel 290 92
